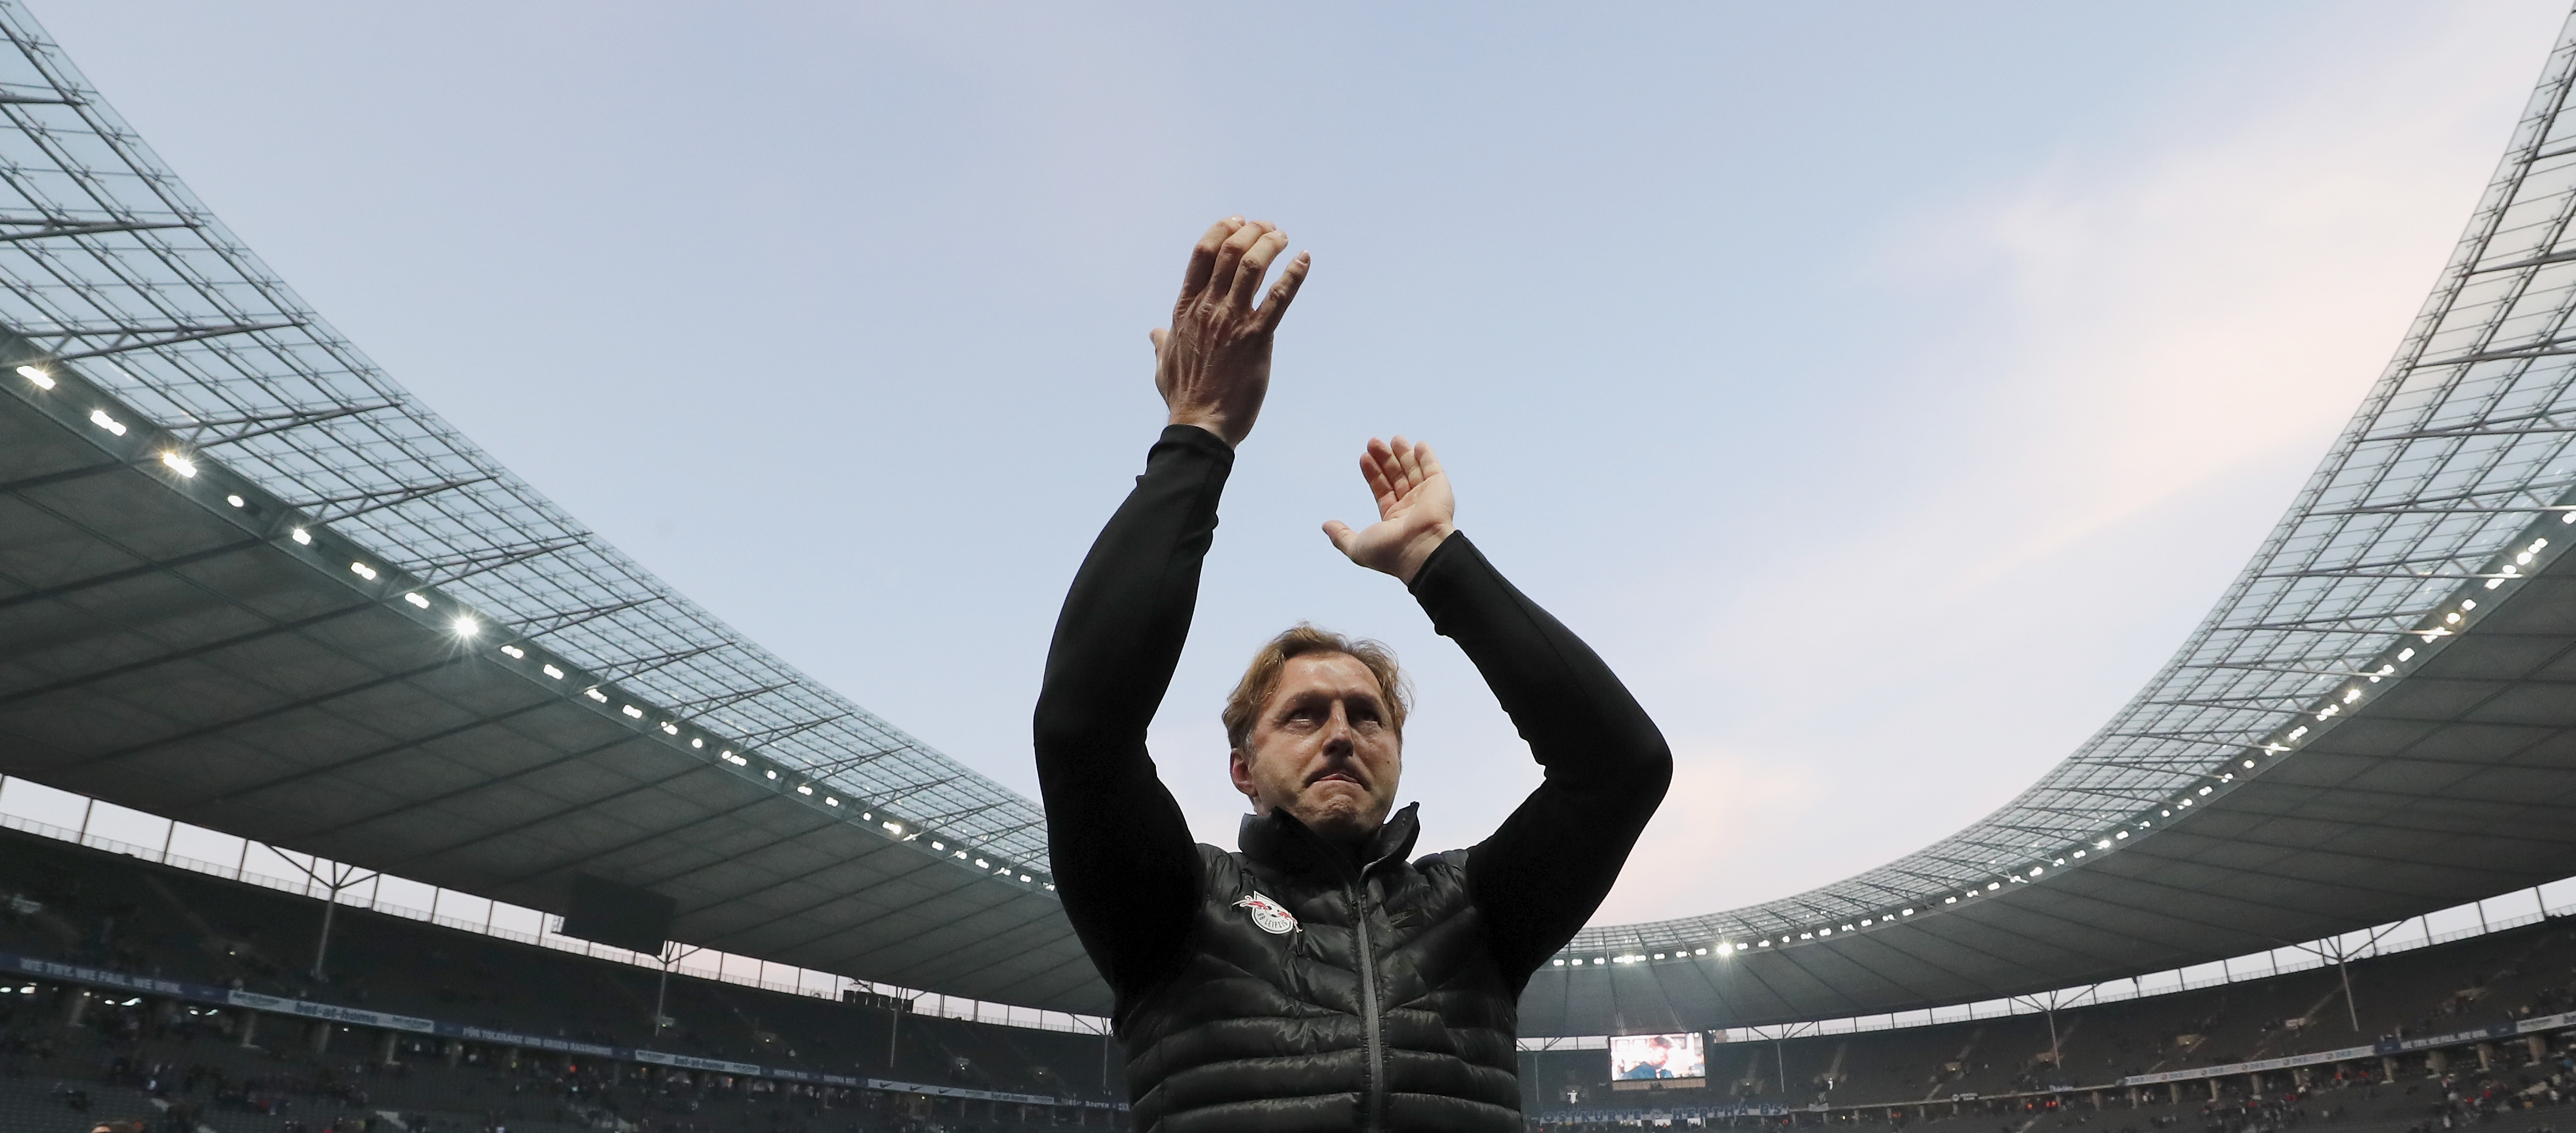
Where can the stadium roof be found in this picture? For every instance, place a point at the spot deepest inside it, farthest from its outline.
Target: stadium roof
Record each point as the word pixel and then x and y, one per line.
pixel 190 658
pixel 293 668
pixel 2447 777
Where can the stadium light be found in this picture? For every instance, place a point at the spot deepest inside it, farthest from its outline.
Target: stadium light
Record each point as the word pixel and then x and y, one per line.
pixel 2569 517
pixel 186 468
pixel 44 380
pixel 364 571
pixel 100 418
pixel 302 537
pixel 415 599
pixel 553 672
pixel 466 626
pixel 514 653
pixel 236 501
pixel 632 712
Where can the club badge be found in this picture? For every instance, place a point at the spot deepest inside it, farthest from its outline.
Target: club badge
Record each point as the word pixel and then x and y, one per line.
pixel 1267 914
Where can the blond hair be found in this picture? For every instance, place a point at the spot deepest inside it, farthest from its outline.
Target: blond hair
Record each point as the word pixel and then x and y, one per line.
pixel 1261 678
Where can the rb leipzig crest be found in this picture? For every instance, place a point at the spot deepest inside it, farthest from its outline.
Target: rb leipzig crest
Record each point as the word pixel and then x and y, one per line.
pixel 1267 914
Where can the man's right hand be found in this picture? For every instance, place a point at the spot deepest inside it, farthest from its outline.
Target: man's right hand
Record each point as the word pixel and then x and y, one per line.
pixel 1213 364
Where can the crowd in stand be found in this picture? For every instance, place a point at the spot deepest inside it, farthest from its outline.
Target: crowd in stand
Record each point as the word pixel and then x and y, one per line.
pixel 171 1065
pixel 72 1057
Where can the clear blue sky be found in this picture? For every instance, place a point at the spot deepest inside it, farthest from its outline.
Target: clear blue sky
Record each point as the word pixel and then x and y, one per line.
pixel 1884 389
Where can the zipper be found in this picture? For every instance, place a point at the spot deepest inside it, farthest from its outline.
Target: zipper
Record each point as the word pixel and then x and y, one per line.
pixel 1372 1102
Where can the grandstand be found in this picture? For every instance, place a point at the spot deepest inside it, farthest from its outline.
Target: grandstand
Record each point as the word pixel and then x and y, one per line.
pixel 125 964
pixel 251 585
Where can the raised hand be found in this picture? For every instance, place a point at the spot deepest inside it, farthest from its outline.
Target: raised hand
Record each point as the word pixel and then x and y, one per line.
pixel 1414 509
pixel 1213 364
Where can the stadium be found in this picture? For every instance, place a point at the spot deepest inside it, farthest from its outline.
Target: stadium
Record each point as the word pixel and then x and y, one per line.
pixel 519 836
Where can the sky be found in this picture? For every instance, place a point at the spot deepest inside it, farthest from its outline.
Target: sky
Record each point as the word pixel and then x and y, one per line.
pixel 1884 390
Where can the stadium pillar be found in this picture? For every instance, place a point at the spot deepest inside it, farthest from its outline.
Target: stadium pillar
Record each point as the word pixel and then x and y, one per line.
pixel 2538 1045
pixel 2136 1097
pixel 249 1027
pixel 385 1047
pixel 454 1050
pixel 2387 1068
pixel 2486 1056
pixel 2437 1060
pixel 318 1036
pixel 2213 1089
pixel 75 1004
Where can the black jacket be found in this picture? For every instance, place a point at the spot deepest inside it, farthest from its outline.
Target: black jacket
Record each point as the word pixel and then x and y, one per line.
pixel 1290 987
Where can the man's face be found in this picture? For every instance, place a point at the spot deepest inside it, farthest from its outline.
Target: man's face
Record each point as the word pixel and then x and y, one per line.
pixel 1323 748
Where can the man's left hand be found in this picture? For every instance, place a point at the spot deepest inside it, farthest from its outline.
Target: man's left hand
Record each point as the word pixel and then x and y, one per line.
pixel 1414 510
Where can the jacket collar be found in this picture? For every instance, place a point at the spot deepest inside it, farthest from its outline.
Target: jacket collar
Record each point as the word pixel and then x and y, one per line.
pixel 1279 841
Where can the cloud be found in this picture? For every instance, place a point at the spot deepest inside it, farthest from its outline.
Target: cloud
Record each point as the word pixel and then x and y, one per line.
pixel 2158 337
pixel 1720 805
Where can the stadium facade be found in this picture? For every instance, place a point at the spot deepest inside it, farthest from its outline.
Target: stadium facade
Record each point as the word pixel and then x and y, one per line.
pixel 249 582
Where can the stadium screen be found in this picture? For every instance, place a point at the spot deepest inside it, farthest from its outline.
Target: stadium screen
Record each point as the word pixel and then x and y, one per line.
pixel 1644 1057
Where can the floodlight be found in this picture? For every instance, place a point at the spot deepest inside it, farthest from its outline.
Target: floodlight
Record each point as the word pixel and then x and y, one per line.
pixel 236 501
pixel 417 600
pixel 100 418
pixel 466 626
pixel 301 536
pixel 42 379
pixel 180 464
pixel 364 571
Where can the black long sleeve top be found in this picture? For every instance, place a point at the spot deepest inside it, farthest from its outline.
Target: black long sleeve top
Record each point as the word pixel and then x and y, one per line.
pixel 1125 865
